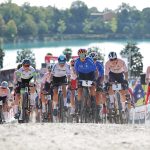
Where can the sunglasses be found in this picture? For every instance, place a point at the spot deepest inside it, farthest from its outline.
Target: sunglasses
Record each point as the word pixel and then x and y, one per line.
pixel 26 65
pixel 113 59
pixel 82 55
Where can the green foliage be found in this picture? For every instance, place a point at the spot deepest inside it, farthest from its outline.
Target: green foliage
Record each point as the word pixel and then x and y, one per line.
pixel 134 57
pixel 68 53
pixel 29 21
pixel 2 54
pixel 61 26
pixel 98 51
pixel 25 53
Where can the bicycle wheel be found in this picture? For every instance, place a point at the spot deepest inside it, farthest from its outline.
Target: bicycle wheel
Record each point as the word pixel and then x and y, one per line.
pixel 1 114
pixel 119 108
pixel 60 107
pixel 25 108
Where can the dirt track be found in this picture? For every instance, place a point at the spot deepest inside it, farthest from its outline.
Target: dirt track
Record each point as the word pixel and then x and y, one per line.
pixel 74 136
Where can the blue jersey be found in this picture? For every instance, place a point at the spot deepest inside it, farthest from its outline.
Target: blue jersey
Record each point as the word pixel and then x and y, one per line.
pixel 85 67
pixel 100 68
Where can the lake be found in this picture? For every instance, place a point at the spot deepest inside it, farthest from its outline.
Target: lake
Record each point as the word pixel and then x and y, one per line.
pixel 56 47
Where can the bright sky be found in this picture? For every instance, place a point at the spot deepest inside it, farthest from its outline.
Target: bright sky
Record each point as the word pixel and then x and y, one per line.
pixel 100 4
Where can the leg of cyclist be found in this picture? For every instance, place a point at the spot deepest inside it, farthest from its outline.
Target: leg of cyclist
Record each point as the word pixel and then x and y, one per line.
pixel 55 100
pixel 64 91
pixel 16 102
pixel 5 109
pixel 80 91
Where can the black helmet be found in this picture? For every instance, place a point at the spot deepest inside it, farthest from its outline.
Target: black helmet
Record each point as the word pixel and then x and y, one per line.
pixel 26 62
pixel 112 55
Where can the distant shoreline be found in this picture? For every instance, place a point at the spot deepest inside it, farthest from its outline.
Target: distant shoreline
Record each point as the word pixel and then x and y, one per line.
pixel 57 37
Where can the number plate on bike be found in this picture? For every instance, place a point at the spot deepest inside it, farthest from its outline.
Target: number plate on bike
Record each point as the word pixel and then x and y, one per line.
pixel 86 83
pixel 116 87
pixel 1 102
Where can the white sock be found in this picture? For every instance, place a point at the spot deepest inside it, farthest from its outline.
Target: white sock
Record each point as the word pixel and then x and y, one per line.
pixel 65 101
pixel 43 108
pixel 16 109
pixel 5 116
pixel 55 105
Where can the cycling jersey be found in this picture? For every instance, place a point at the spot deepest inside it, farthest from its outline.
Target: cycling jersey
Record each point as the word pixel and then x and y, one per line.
pixel 118 67
pixel 100 68
pixel 58 71
pixel 85 67
pixel 21 73
pixel 73 74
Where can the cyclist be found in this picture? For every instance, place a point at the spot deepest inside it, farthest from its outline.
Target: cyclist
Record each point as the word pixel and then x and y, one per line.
pixel 59 76
pixel 147 80
pixel 4 96
pixel 45 89
pixel 100 97
pixel 116 70
pixel 25 74
pixel 73 86
pixel 85 69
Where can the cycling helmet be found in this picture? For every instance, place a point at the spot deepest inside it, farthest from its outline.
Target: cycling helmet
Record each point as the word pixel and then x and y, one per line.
pixel 26 62
pixel 82 51
pixel 72 62
pixel 112 55
pixel 4 84
pixel 93 55
pixel 62 59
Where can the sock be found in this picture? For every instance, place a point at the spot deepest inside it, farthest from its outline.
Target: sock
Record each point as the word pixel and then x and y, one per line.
pixel 43 108
pixel 5 116
pixel 16 109
pixel 65 101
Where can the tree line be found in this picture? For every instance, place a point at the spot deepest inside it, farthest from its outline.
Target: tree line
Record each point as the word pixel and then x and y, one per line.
pixel 26 22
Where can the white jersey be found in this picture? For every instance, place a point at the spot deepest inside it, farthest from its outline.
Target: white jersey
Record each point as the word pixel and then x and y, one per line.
pixel 26 74
pixel 58 71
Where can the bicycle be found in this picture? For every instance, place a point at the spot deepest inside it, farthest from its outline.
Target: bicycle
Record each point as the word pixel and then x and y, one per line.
pixel 121 108
pixel 24 105
pixel 88 106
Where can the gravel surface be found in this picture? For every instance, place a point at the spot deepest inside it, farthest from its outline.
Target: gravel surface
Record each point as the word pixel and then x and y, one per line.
pixel 49 136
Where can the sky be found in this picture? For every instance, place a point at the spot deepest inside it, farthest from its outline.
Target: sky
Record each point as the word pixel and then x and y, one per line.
pixel 100 4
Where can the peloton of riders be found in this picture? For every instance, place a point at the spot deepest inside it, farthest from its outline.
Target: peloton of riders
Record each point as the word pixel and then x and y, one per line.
pixel 85 67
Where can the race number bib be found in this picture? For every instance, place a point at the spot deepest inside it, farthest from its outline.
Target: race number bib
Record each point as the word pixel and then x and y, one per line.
pixel 116 87
pixel 87 83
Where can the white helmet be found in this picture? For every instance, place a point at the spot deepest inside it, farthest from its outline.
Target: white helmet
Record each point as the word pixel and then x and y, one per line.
pixel 112 55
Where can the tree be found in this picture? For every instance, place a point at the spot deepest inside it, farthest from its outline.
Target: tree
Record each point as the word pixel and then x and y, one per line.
pixel 11 29
pixel 134 57
pixel 61 26
pixel 25 53
pixel 68 53
pixel 2 54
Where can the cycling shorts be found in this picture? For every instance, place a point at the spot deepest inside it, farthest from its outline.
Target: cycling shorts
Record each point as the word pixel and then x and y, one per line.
pixel 73 84
pixel 57 81
pixel 119 77
pixel 3 99
pixel 85 76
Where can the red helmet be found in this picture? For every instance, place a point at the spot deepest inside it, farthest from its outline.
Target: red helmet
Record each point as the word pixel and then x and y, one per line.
pixel 82 51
